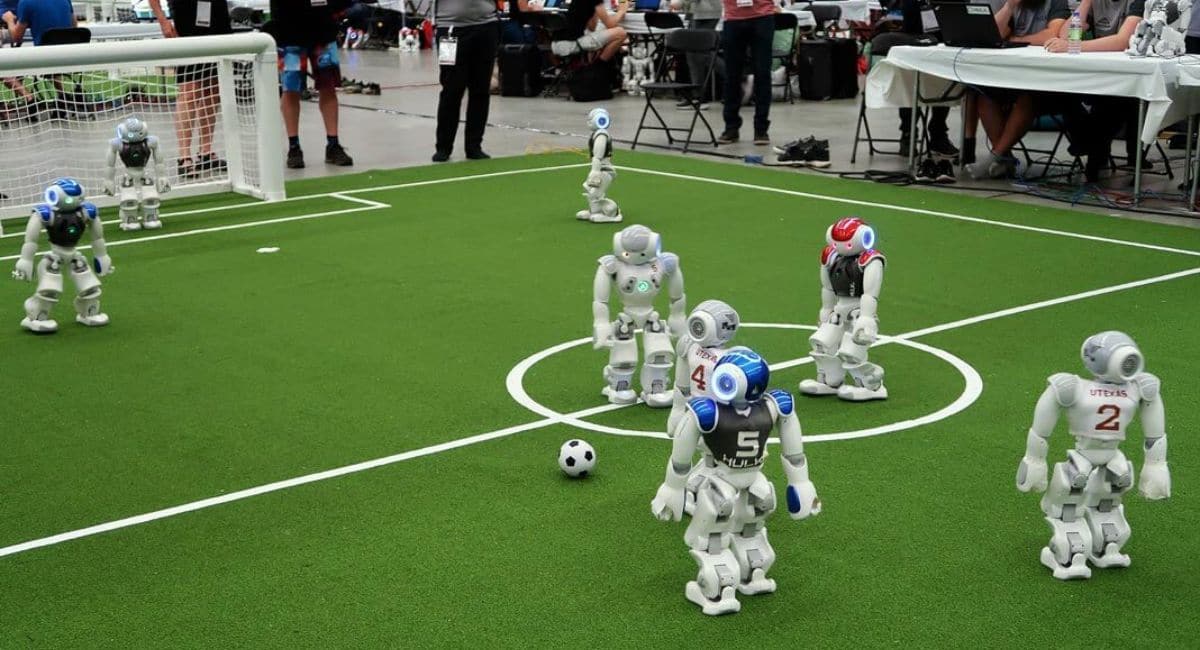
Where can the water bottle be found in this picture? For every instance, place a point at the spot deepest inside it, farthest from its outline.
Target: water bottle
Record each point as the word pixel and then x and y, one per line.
pixel 1075 34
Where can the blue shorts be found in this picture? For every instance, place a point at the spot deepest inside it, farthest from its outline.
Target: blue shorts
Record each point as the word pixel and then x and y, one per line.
pixel 321 61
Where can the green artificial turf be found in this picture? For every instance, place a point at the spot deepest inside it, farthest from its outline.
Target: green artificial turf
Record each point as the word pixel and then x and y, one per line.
pixel 381 331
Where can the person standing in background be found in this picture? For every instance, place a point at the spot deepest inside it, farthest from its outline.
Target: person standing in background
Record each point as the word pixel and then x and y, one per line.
pixel 749 24
pixel 305 32
pixel 702 14
pixel 468 35
pixel 196 99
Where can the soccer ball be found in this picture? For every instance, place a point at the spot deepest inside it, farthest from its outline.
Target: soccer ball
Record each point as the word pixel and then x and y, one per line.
pixel 576 458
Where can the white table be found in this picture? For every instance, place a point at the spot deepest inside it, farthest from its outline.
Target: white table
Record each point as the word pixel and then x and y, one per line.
pixel 1188 77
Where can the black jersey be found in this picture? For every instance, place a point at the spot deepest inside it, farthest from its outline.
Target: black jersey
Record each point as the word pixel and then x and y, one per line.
pixel 607 145
pixel 66 229
pixel 735 439
pixel 846 273
pixel 135 154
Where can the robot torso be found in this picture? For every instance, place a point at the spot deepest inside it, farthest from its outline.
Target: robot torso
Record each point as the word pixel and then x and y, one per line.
pixel 700 361
pixel 640 284
pixel 846 272
pixel 607 143
pixel 1102 411
pixel 134 155
pixel 736 438
pixel 64 229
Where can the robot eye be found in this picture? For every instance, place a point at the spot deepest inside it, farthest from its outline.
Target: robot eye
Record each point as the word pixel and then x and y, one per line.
pixel 52 196
pixel 868 237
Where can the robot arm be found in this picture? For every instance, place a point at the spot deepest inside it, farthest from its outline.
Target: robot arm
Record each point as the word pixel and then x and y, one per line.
pixel 33 229
pixel 828 297
pixel 100 258
pixel 668 501
pixel 683 384
pixel 110 174
pixel 602 328
pixel 160 171
pixel 1156 476
pixel 866 326
pixel 677 321
pixel 802 499
pixel 599 148
pixel 1032 471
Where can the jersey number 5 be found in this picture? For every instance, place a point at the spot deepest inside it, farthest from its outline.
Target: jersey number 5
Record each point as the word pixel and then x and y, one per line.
pixel 1114 415
pixel 747 444
pixel 698 377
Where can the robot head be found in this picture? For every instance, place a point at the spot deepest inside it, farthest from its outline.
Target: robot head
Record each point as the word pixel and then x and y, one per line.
pixel 636 245
pixel 598 119
pixel 850 236
pixel 63 194
pixel 132 130
pixel 713 323
pixel 1112 356
pixel 740 376
pixel 638 51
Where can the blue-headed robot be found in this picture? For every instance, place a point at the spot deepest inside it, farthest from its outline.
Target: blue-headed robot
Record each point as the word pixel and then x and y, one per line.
pixel 65 216
pixel 727 535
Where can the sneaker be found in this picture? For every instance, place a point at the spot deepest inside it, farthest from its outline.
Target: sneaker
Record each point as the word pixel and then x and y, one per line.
pixel 686 105
pixel 810 152
pixel 336 155
pixel 926 171
pixel 944 171
pixel 730 136
pixel 295 158
pixel 210 164
pixel 184 168
pixel 781 149
pixel 762 137
pixel 477 154
pixel 993 166
pixel 941 145
pixel 355 88
pixel 441 156
pixel 371 89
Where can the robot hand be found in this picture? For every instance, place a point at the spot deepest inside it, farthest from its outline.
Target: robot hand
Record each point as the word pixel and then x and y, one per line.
pixel 163 185
pixel 104 265
pixel 802 500
pixel 110 188
pixel 668 503
pixel 24 270
pixel 1156 481
pixel 1031 474
pixel 594 179
pixel 677 325
pixel 602 334
pixel 823 316
pixel 866 330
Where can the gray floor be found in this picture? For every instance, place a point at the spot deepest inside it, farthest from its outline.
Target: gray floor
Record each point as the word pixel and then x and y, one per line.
pixel 395 129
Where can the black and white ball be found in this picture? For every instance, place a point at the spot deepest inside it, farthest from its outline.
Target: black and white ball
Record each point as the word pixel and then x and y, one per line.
pixel 576 458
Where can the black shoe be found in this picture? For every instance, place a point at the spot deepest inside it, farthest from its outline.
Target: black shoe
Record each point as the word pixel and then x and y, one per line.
pixel 926 171
pixel 781 149
pixel 336 155
pixel 1147 164
pixel 944 171
pixel 210 164
pixel 730 136
pixel 441 156
pixel 967 156
pixel 295 159
pixel 762 137
pixel 941 145
pixel 477 154
pixel 185 168
pixel 810 152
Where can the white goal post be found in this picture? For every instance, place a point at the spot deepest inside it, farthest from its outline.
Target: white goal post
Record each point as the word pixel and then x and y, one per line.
pixel 60 105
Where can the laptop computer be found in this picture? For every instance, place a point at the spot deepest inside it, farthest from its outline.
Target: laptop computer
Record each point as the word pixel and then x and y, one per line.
pixel 969 25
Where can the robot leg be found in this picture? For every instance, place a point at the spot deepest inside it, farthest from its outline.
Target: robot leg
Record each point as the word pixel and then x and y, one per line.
pixel 602 209
pixel 700 473
pixel 128 194
pixel 1105 514
pixel 150 205
pixel 38 306
pixel 656 369
pixel 754 553
pixel 824 344
pixel 622 360
pixel 867 376
pixel 1063 503
pixel 708 537
pixel 87 298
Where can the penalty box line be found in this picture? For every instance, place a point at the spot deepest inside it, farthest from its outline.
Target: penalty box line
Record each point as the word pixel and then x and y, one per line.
pixel 500 433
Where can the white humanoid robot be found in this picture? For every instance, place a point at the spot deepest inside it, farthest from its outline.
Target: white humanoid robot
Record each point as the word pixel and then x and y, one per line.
pixel 727 535
pixel 640 270
pixel 851 279
pixel 136 148
pixel 408 40
pixel 635 69
pixel 601 209
pixel 710 328
pixel 1162 30
pixel 64 216
pixel 1083 502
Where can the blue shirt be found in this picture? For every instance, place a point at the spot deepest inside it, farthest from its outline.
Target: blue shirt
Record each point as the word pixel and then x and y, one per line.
pixel 39 16
pixel 7 6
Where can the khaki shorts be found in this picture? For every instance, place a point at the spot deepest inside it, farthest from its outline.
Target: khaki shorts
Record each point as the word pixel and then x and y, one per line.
pixel 589 42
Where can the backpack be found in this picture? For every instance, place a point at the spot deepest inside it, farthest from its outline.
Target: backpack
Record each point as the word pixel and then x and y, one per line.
pixel 591 83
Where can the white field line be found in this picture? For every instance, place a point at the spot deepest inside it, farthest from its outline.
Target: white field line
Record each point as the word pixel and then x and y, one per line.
pixel 491 435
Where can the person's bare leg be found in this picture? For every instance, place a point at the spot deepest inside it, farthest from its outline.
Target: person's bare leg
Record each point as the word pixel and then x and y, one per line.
pixel 992 117
pixel 289 104
pixel 1015 127
pixel 207 114
pixel 328 104
pixel 616 36
pixel 14 84
pixel 185 114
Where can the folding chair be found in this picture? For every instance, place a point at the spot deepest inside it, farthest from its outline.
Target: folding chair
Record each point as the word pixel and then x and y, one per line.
pixel 879 47
pixel 556 73
pixel 824 16
pixel 786 56
pixel 680 43
pixel 664 22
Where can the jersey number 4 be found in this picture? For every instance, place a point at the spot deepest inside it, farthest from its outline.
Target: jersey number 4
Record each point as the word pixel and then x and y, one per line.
pixel 1114 416
pixel 698 377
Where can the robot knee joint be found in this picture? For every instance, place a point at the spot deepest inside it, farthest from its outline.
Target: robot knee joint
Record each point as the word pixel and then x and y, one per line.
pixel 90 292
pixel 129 204
pixel 49 295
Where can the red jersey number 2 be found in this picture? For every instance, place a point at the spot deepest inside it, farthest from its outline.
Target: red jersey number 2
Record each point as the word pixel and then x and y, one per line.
pixel 1114 415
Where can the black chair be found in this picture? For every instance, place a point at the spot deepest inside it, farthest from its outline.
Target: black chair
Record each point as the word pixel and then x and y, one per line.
pixel 679 44
pixel 824 16
pixel 786 22
pixel 659 24
pixel 559 68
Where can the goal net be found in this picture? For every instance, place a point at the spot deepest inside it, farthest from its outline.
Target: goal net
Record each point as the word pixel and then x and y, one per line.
pixel 212 102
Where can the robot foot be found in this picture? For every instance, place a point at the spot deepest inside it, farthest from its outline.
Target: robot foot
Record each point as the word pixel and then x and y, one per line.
pixel 657 400
pixel 600 217
pixel 584 215
pixel 861 394
pixel 758 583
pixel 726 604
pixel 129 226
pixel 39 326
pixel 620 396
pixel 1113 557
pixel 1076 570
pixel 816 388
pixel 95 320
pixel 152 224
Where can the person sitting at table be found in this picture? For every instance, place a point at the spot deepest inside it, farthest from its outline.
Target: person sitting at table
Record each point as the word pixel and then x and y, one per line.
pixel 1006 114
pixel 1112 22
pixel 590 28
pixel 516 30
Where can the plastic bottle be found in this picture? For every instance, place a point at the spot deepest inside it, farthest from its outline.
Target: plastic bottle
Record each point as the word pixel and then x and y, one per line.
pixel 1075 34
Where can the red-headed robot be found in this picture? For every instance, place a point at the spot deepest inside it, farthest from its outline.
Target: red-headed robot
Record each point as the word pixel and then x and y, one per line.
pixel 851 278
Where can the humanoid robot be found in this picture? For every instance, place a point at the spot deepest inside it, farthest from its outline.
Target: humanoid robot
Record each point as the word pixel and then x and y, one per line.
pixel 640 270
pixel 851 278
pixel 635 69
pixel 1083 502
pixel 601 209
pixel 727 535
pixel 710 328
pixel 136 148
pixel 1162 29
pixel 64 216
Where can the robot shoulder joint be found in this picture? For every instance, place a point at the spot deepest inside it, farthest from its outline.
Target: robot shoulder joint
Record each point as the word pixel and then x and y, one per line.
pixel 869 256
pixel 1065 387
pixel 670 263
pixel 827 255
pixel 783 401
pixel 704 410
pixel 609 264
pixel 1149 386
pixel 90 210
pixel 43 211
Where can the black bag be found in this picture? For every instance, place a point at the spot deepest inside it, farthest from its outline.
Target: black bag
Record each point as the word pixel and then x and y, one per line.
pixel 520 71
pixel 844 71
pixel 816 65
pixel 592 83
